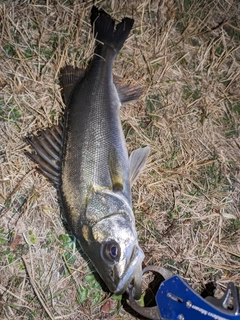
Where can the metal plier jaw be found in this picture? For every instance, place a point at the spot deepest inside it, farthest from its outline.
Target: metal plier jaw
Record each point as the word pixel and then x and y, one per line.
pixel 176 300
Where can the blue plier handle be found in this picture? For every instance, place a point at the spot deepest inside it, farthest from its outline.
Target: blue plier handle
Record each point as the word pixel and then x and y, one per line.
pixel 176 300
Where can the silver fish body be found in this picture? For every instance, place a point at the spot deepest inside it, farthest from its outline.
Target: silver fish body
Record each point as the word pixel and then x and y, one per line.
pixel 95 171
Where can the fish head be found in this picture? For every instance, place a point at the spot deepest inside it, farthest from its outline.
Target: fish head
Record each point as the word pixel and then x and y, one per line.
pixel 112 245
pixel 120 255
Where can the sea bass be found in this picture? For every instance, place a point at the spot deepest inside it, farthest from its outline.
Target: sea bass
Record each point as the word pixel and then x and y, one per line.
pixel 87 159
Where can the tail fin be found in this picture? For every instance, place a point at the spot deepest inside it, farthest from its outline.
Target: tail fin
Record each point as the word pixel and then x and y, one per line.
pixel 104 31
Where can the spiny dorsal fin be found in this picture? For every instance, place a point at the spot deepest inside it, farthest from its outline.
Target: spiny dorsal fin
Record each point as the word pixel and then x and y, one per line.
pixel 127 93
pixel 70 76
pixel 47 155
pixel 137 161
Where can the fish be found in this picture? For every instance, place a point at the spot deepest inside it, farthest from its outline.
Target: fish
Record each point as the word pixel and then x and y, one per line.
pixel 86 158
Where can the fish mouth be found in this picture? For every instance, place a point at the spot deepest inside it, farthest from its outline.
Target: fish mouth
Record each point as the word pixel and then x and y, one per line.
pixel 133 275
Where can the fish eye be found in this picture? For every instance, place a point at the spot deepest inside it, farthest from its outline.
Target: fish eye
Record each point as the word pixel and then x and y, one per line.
pixel 111 251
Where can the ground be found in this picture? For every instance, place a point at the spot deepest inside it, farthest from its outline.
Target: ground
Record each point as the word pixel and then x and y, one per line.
pixel 185 54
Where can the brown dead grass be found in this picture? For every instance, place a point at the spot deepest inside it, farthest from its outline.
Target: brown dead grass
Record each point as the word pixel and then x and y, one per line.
pixel 186 56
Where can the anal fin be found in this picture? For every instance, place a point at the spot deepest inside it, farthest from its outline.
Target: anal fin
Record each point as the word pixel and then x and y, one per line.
pixel 127 93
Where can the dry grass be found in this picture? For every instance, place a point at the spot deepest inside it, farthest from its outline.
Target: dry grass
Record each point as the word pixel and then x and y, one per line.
pixel 185 53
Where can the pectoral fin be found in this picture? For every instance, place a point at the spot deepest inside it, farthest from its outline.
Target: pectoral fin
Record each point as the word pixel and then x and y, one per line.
pixel 115 170
pixel 137 161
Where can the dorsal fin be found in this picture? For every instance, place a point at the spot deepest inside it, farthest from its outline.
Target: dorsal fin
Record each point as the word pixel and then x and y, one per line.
pixel 137 161
pixel 48 147
pixel 70 76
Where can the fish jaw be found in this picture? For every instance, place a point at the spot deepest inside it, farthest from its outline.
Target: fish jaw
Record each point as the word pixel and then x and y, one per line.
pixel 133 273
